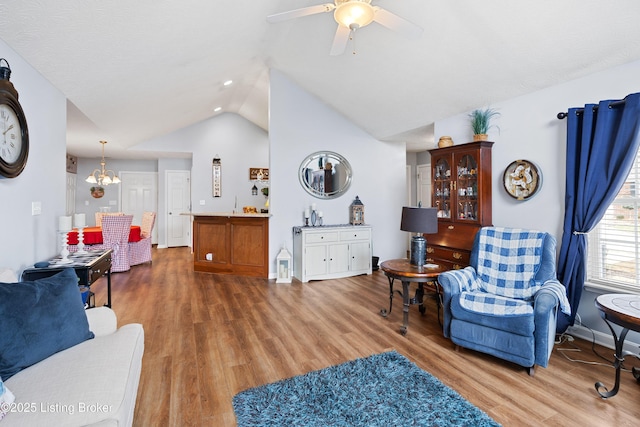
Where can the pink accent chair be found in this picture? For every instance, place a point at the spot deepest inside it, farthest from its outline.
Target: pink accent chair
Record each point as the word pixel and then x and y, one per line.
pixel 100 215
pixel 115 236
pixel 140 252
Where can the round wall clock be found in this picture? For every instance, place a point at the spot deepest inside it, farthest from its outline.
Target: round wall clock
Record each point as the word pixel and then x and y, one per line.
pixel 522 179
pixel 14 141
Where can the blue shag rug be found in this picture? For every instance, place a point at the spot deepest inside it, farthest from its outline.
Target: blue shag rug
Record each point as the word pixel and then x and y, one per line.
pixel 381 390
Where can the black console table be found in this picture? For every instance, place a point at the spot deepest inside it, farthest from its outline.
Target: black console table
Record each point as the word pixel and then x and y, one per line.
pixel 89 267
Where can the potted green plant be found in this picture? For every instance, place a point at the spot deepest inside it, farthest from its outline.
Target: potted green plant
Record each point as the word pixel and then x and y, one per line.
pixel 481 122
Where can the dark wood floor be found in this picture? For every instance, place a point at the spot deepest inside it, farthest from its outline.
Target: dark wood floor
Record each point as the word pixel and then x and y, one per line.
pixel 209 336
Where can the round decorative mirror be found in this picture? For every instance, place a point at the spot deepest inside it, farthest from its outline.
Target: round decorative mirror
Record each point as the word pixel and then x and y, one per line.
pixel 325 174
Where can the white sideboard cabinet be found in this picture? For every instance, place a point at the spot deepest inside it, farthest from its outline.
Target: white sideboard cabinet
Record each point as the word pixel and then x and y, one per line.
pixel 331 252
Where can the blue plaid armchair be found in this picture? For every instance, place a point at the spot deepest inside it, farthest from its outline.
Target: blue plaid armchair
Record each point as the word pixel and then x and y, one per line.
pixel 505 303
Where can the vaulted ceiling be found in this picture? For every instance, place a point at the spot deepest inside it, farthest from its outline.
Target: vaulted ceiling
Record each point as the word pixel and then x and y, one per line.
pixel 134 70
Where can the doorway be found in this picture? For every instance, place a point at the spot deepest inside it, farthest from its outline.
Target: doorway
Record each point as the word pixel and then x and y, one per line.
pixel 178 198
pixel 424 185
pixel 139 194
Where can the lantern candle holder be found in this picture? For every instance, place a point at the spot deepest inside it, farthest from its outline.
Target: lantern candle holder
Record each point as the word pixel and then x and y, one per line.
pixel 356 212
pixel 283 263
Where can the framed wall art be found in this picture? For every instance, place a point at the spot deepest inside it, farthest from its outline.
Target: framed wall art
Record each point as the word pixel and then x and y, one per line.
pixel 258 174
pixel 217 177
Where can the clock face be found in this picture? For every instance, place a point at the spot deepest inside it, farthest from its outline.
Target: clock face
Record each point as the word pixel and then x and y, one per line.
pixel 522 179
pixel 11 139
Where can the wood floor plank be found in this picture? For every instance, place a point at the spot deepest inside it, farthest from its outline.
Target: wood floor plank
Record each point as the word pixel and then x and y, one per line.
pixel 209 336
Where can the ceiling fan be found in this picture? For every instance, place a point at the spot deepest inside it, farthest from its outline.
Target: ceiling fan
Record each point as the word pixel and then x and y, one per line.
pixel 352 15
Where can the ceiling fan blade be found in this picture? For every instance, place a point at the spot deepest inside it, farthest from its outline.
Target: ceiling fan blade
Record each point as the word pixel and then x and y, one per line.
pixel 340 41
pixel 298 13
pixel 396 23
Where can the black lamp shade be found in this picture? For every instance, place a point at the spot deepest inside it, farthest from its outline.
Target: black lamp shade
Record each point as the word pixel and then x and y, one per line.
pixel 419 220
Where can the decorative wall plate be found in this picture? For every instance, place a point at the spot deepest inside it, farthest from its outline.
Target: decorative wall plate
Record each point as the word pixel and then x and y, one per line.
pixel 522 179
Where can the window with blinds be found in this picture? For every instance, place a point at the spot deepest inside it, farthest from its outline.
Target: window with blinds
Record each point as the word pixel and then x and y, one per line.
pixel 614 245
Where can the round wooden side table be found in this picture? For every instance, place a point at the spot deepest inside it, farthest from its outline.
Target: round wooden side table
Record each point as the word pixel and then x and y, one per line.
pixel 407 273
pixel 622 310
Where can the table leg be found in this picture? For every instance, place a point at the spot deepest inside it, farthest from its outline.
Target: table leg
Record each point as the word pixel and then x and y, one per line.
pixel 108 304
pixel 438 300
pixel 383 311
pixel 418 298
pixel 406 302
pixel 619 358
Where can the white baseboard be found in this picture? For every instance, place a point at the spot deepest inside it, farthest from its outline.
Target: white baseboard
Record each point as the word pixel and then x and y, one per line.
pixel 601 338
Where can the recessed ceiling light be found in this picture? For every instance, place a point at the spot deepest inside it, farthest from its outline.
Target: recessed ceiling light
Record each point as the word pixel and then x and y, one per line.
pixel 228 82
pixel 215 110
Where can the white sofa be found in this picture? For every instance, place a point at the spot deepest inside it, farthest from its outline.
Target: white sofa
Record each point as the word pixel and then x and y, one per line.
pixel 92 383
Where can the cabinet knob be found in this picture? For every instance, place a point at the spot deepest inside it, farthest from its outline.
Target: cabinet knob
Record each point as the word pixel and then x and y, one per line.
pixel 450 227
pixel 430 250
pixel 457 255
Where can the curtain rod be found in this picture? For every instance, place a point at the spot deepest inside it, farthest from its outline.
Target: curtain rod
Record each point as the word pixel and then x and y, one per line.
pixel 561 115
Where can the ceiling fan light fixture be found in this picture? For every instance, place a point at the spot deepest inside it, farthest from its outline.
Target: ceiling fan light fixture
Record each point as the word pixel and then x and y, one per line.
pixel 354 13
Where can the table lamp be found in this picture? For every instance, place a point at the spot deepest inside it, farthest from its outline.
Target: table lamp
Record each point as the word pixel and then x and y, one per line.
pixel 419 220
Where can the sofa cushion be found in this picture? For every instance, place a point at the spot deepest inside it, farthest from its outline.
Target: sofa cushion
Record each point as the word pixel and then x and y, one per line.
pixel 7 275
pixel 6 399
pixel 519 324
pixel 40 318
pixel 93 383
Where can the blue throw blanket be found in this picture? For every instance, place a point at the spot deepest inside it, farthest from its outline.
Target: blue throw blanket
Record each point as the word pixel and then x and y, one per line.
pixel 504 283
pixel 508 260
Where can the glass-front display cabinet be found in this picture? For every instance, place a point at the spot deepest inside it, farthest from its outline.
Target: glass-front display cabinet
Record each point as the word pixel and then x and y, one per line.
pixel 461 191
pixel 462 182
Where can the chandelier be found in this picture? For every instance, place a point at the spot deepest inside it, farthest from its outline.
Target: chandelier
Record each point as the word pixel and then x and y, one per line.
pixel 101 176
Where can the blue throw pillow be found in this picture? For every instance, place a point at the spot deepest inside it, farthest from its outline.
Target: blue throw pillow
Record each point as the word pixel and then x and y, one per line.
pixel 38 319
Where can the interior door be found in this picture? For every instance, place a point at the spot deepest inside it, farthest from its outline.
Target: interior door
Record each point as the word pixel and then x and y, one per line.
pixel 139 194
pixel 424 185
pixel 178 203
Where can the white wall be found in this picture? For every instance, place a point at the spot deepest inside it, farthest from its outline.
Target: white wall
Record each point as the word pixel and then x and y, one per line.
pixel 26 239
pixel 240 146
pixel 530 130
pixel 299 125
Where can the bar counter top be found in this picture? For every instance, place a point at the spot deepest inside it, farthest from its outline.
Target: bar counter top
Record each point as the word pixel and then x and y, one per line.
pixel 229 214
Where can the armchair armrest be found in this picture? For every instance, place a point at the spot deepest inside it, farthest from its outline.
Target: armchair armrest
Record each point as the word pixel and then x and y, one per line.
pixel 453 282
pixel 545 308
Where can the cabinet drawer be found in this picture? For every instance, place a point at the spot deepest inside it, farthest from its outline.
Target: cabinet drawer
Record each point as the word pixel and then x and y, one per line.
pixel 438 254
pixel 321 237
pixel 447 265
pixel 355 235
